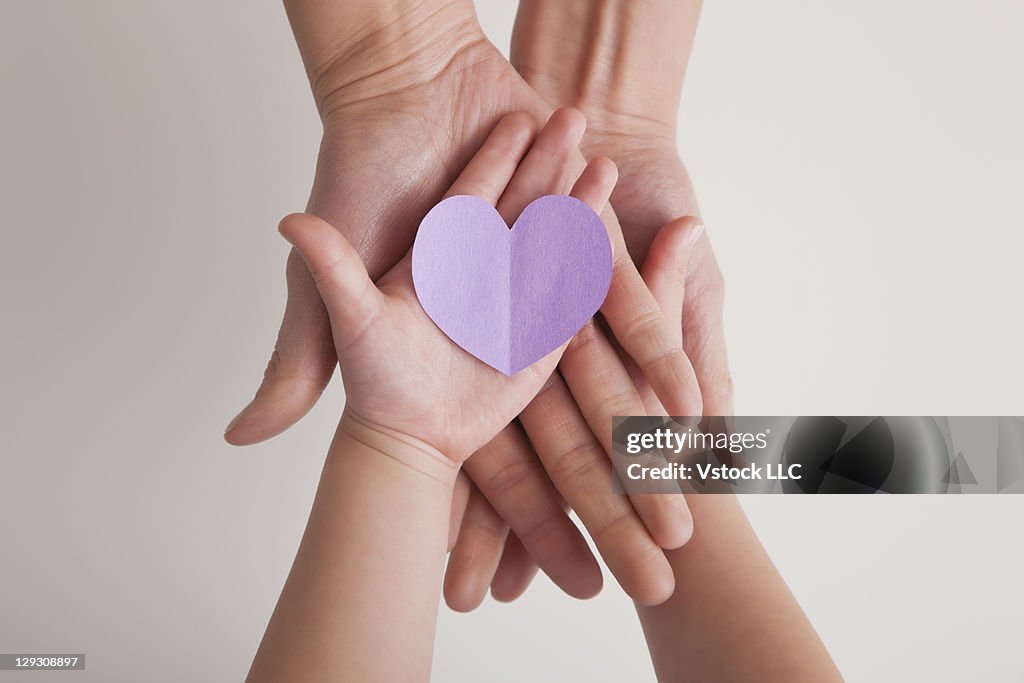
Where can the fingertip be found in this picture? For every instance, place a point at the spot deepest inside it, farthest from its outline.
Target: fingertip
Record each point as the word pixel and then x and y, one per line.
pixel 678 533
pixel 572 119
pixel 686 231
pixel 290 224
pixel 675 241
pixel 515 571
pixel 509 589
pixel 309 234
pixel 659 589
pixel 587 585
pixel 248 436
pixel 651 581
pixel 667 517
pixel 604 174
pixel 604 169
pixel 229 436
pixel 638 562
pixel 696 231
pixel 464 591
pixel 246 433
pixel 576 572
pixel 279 404
pixel 595 184
pixel 241 433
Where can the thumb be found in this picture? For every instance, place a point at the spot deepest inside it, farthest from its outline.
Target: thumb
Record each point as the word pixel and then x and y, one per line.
pixel 304 356
pixel 351 298
pixel 665 267
pixel 299 369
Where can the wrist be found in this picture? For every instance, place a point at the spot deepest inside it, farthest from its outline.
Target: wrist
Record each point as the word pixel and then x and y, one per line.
pixel 407 455
pixel 621 62
pixel 359 49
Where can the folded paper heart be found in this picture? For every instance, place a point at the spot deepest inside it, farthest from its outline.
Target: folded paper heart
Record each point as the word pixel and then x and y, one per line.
pixel 511 297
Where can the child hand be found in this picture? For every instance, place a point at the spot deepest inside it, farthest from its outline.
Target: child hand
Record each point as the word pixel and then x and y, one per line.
pixel 402 375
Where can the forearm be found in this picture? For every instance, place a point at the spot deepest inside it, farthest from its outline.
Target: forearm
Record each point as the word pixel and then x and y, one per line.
pixel 389 42
pixel 614 59
pixel 732 617
pixel 361 600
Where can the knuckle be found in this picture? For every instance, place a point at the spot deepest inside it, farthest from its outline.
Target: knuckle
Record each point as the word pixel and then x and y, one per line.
pixel 624 531
pixel 581 461
pixel 618 402
pixel 587 335
pixel 644 328
pixel 622 265
pixel 482 534
pixel 607 530
pixel 482 185
pixel 543 529
pixel 317 375
pixel 328 272
pixel 507 477
pixel 665 360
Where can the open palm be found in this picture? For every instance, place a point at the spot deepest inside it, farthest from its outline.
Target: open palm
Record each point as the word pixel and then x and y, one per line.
pixel 402 372
pixel 384 161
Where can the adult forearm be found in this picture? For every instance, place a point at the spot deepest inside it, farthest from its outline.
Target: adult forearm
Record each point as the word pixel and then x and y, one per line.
pixel 732 617
pixel 612 58
pixel 389 42
pixel 361 600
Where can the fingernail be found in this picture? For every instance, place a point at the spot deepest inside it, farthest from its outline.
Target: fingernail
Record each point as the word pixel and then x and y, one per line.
pixel 234 420
pixel 695 233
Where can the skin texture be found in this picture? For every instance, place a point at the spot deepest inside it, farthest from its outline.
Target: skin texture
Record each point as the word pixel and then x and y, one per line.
pixel 404 103
pixel 361 599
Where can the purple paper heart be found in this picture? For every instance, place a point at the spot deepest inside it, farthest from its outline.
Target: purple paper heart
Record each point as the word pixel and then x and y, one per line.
pixel 511 297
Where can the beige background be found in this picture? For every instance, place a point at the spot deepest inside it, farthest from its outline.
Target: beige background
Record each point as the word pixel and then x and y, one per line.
pixel 859 165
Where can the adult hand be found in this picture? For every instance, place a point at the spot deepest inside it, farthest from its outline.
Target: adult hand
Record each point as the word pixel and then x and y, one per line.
pixel 622 63
pixel 407 91
pixel 569 425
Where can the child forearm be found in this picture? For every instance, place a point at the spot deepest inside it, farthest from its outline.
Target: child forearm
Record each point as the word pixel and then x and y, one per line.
pixel 362 596
pixel 731 618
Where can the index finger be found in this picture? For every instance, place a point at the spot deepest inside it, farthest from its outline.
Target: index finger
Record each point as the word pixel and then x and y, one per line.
pixel 489 171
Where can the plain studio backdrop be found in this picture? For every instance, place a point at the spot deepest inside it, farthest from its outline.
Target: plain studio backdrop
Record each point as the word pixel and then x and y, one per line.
pixel 859 167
